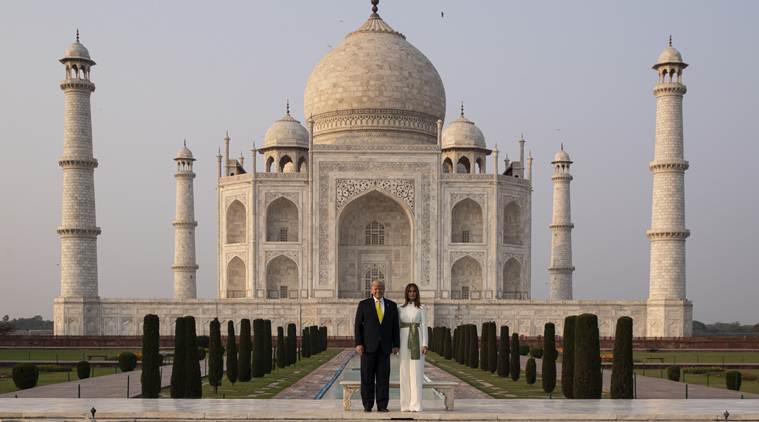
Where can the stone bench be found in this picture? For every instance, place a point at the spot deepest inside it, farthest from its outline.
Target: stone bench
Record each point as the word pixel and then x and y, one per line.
pixel 446 388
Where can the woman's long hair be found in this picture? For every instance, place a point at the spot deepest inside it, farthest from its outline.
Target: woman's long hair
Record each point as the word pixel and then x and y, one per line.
pixel 417 301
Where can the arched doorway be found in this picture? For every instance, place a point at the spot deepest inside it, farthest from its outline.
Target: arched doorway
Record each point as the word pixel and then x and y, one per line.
pixel 512 280
pixel 374 238
pixel 466 278
pixel 282 278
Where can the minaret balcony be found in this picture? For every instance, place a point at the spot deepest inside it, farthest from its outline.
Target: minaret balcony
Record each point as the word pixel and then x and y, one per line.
pixel 74 83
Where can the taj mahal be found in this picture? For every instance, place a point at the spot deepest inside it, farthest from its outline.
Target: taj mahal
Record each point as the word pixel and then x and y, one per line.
pixel 372 184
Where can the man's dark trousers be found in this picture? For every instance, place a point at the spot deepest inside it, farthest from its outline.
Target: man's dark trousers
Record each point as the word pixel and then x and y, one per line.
pixel 375 367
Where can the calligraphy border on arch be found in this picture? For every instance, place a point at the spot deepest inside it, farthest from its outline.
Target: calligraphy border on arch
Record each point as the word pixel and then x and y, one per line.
pixel 345 189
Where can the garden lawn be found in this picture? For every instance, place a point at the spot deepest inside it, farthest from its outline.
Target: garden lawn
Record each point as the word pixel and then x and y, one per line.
pixel 490 383
pixel 676 357
pixel 7 385
pixel 268 386
pixel 714 377
pixel 61 354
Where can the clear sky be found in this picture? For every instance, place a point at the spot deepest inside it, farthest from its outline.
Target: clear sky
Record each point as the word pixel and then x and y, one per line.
pixel 560 71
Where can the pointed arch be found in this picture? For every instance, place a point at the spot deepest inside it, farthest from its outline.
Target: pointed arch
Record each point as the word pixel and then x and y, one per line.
pixel 479 167
pixel 286 164
pixel 302 165
pixel 269 164
pixel 512 223
pixel 512 279
pixel 466 222
pixel 282 221
pixel 463 165
pixel 236 278
pixel 466 278
pixel 236 222
pixel 447 165
pixel 282 278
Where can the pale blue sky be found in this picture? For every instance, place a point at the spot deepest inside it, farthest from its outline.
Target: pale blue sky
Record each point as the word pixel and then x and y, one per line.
pixel 173 70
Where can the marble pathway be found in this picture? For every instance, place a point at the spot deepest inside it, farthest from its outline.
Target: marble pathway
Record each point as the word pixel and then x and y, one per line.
pixel 294 409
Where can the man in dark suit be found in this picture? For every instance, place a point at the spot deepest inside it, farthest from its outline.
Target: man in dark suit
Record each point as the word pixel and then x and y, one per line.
pixel 377 334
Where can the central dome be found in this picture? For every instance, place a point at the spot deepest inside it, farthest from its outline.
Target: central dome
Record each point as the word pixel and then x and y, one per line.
pixel 375 87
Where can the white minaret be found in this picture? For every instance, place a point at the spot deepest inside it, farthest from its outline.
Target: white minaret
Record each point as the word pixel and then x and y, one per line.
pixel 78 230
pixel 666 294
pixel 184 228
pixel 560 271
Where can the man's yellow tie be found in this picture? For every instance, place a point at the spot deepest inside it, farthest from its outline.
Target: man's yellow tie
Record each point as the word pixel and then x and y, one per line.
pixel 379 310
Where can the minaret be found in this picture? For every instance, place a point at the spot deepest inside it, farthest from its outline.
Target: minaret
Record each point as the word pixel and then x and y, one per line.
pixel 184 228
pixel 560 271
pixel 668 233
pixel 78 230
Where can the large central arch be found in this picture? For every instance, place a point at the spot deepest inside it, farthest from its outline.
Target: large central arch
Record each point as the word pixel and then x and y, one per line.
pixel 375 237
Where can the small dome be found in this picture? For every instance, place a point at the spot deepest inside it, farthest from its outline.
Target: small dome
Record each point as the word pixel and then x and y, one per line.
pixel 77 51
pixel 184 153
pixel 463 133
pixel 669 55
pixel 286 132
pixel 561 156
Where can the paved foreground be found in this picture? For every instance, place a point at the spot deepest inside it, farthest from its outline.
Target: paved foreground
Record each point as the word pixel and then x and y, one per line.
pixel 293 410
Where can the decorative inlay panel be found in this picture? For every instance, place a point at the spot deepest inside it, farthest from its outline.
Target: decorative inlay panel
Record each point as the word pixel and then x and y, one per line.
pixel 402 189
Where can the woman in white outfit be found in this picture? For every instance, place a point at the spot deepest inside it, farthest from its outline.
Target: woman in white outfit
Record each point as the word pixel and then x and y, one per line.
pixel 413 348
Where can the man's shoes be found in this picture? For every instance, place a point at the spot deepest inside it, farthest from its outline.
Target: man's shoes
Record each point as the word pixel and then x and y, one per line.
pixel 383 410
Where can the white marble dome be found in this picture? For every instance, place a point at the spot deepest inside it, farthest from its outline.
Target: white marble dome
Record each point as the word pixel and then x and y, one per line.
pixel 77 51
pixel 286 132
pixel 463 133
pixel 184 153
pixel 375 80
pixel 669 55
pixel 561 156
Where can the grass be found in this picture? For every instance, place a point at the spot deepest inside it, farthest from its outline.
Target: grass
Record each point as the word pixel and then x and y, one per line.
pixel 271 384
pixel 491 384
pixel 60 354
pixel 7 385
pixel 678 357
pixel 713 378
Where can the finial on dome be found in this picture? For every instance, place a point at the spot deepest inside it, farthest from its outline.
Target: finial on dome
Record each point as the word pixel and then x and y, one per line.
pixel 562 146
pixel 226 135
pixel 287 106
pixel 462 108
pixel 185 143
pixel 374 6
pixel 77 34
pixel 670 40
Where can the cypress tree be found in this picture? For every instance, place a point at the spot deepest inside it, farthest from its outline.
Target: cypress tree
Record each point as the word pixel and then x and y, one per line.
pixel 492 348
pixel 323 338
pixel 455 351
pixel 305 344
pixel 315 340
pixel 215 355
pixel 281 352
pixel 245 350
pixel 568 357
pixel 258 348
pixel 194 385
pixel 232 367
pixel 548 369
pixel 292 343
pixel 178 372
pixel 587 376
pixel 484 346
pixel 474 357
pixel 514 366
pixel 268 347
pixel 504 352
pixel 622 368
pixel 530 371
pixel 448 345
pixel 151 358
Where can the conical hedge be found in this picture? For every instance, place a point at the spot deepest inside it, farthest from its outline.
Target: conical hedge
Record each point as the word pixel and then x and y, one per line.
pixel 281 351
pixel 530 371
pixel 474 347
pixel 194 386
pixel 268 347
pixel 215 355
pixel 292 344
pixel 504 352
pixel 514 366
pixel 259 369
pixel 151 357
pixel 568 357
pixel 622 368
pixel 484 346
pixel 246 346
pixel 492 348
pixel 232 367
pixel 178 372
pixel 548 369
pixel 587 376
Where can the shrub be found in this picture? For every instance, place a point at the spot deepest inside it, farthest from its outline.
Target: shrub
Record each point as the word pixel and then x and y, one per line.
pixel 204 342
pixel 216 355
pixel 83 369
pixel 622 368
pixel 587 362
pixel 151 357
pixel 514 366
pixel 503 352
pixel 323 338
pixel 25 375
pixel 673 373
pixel 292 342
pixel 305 343
pixel 484 332
pixel 733 380
pixel 178 371
pixel 549 358
pixel 258 348
pixel 492 348
pixel 245 350
pixel 524 349
pixel 536 352
pixel 193 383
pixel 568 360
pixel 703 370
pixel 281 360
pixel 268 346
pixel 448 345
pixel 201 353
pixel 530 371
pixel 127 361
pixel 232 366
pixel 473 347
pixel 314 335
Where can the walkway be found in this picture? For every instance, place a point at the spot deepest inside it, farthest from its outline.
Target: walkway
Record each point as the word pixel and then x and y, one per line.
pixel 293 410
pixel 106 386
pixel 310 385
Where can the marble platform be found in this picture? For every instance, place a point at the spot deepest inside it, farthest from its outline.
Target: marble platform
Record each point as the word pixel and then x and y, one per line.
pixel 326 410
